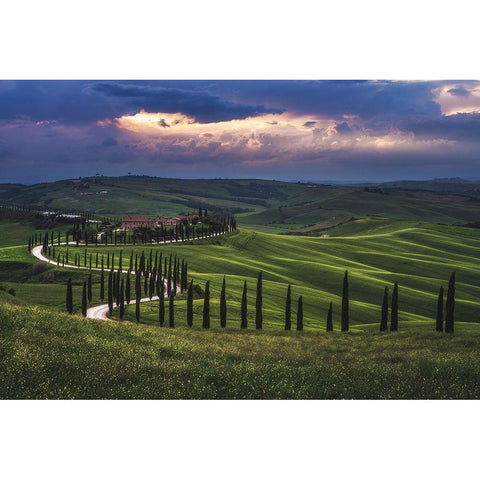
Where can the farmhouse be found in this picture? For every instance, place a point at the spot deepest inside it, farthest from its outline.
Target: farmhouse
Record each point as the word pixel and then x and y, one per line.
pixel 130 223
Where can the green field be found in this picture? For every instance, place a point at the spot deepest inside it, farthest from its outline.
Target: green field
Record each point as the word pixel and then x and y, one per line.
pixel 264 205
pixel 405 236
pixel 419 256
pixel 53 355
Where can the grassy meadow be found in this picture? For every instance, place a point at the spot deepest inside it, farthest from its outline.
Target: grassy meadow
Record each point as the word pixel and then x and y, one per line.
pixel 419 256
pixel 54 355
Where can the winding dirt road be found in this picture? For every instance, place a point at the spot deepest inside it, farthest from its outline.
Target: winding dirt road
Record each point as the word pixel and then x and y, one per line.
pixel 99 311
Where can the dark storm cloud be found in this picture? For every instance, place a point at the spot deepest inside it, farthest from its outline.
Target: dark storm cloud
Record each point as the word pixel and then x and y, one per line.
pixel 462 126
pixel 459 92
pixel 309 124
pixel 342 128
pixel 337 98
pixel 109 142
pixel 84 102
pixel 203 106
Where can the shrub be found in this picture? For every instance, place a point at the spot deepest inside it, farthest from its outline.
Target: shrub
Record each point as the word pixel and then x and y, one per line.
pixel 11 291
pixel 39 267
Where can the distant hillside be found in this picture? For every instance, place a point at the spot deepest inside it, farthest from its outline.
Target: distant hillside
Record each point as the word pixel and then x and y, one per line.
pixel 270 205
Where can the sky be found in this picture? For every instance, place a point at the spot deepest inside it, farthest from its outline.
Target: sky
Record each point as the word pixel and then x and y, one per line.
pixel 284 130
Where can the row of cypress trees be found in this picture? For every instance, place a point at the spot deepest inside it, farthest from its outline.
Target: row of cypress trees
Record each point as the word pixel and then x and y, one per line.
pixel 119 291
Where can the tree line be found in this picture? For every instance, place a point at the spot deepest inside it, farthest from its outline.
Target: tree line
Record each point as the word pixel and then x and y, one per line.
pixel 174 279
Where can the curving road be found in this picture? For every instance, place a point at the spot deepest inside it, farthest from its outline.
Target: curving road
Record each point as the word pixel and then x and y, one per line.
pixel 100 311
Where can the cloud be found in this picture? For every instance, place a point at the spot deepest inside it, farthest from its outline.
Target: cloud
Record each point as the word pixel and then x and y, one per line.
pixel 462 126
pixel 200 105
pixel 109 142
pixel 459 92
pixel 309 124
pixel 342 128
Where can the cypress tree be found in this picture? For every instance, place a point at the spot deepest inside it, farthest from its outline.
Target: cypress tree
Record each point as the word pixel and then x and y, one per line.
pixel 84 299
pixel 117 287
pixel 127 289
pixel 145 285
pixel 110 291
pixel 206 306
pixel 439 323
pixel 394 313
pixel 122 300
pixel 258 304
pixel 345 304
pixel 138 294
pixel 450 305
pixel 161 305
pixel 169 279
pixel 69 300
pixel 171 312
pixel 384 319
pixel 244 312
pixel 223 305
pixel 89 287
pixel 300 314
pixel 190 304
pixel 330 318
pixel 288 309
pixel 151 287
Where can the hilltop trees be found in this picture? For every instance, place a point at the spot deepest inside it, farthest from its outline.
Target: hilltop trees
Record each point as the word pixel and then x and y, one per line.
pixel 345 304
pixel 394 312
pixel 450 305
pixel 384 319
pixel 288 309
pixel 259 304
pixel 206 306
pixel 244 318
pixel 300 314
pixel 439 322
pixel 69 300
pixel 223 305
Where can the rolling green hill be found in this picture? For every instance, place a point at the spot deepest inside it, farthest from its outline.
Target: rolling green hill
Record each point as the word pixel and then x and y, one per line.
pixel 265 205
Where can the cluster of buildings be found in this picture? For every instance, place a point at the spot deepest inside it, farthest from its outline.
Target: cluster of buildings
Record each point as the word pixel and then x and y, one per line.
pixel 131 223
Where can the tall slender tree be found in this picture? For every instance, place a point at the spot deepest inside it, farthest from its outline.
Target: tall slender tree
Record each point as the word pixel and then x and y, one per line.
pixel 450 305
pixel 122 299
pixel 206 306
pixel 244 308
pixel 110 291
pixel 288 309
pixel 300 314
pixel 69 300
pixel 439 322
pixel 223 305
pixel 190 304
pixel 102 283
pixel 259 304
pixel 394 312
pixel 84 299
pixel 127 289
pixel 384 319
pixel 89 285
pixel 171 312
pixel 161 305
pixel 345 304
pixel 138 295
pixel 330 318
